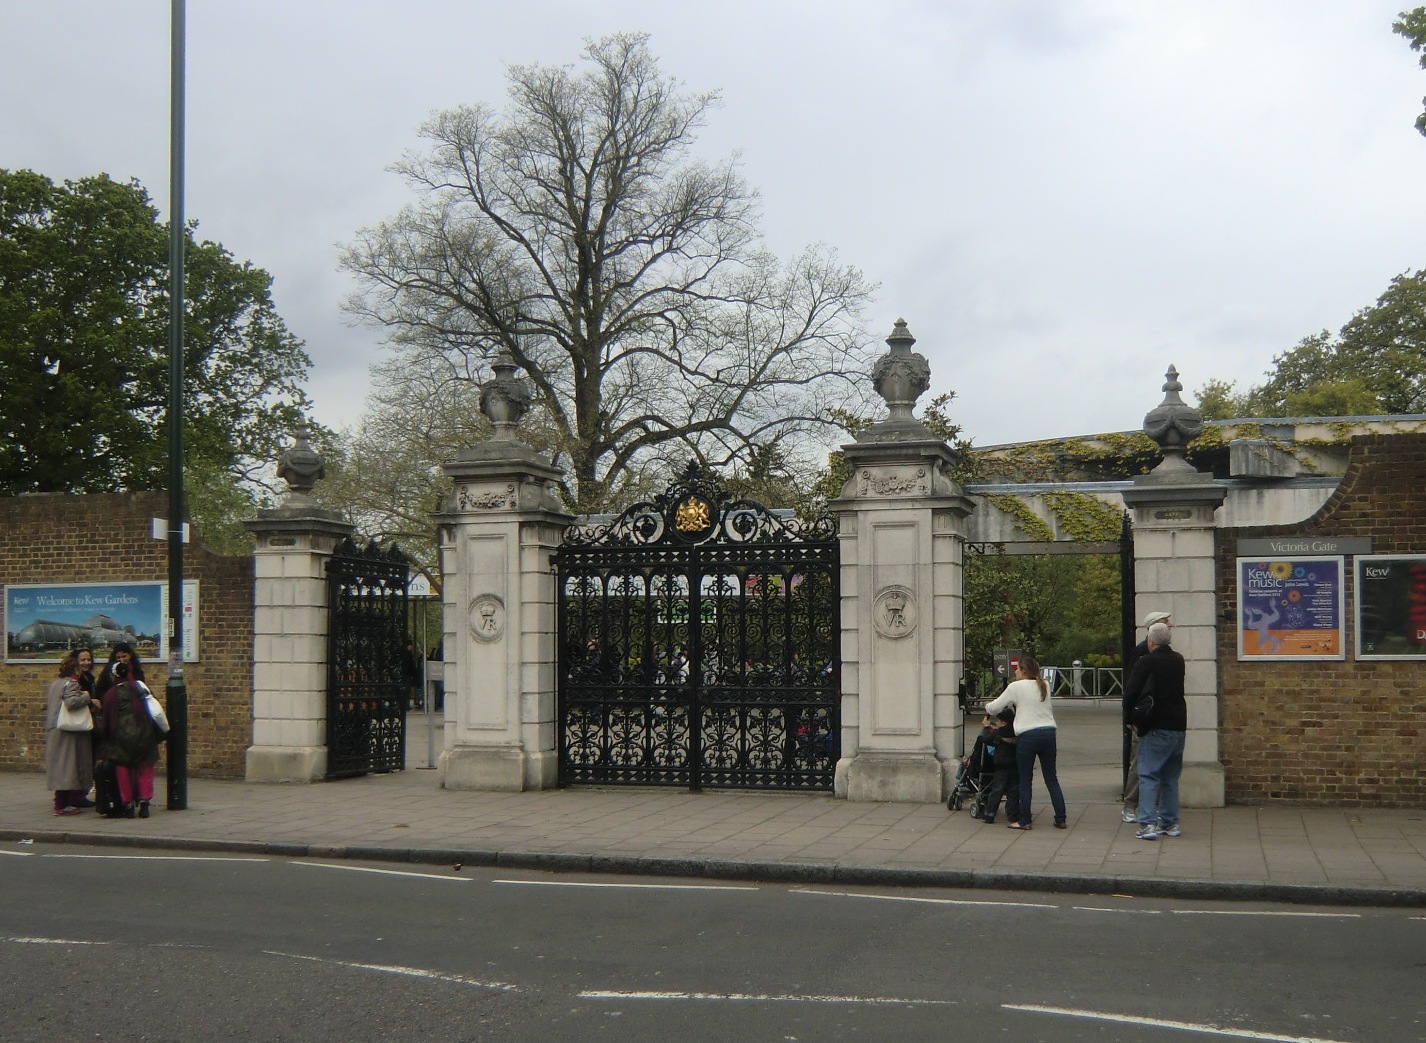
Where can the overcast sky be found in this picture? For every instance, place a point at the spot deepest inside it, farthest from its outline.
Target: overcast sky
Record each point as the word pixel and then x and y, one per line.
pixel 1061 197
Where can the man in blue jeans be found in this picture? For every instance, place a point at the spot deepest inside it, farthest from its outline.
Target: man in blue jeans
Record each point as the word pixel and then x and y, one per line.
pixel 1161 741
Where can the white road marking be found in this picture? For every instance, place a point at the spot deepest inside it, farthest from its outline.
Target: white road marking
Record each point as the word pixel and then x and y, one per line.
pixel 743 997
pixel 408 972
pixel 166 858
pixel 927 901
pixel 1182 1026
pixel 52 941
pixel 1104 909
pixel 1264 912
pixel 385 872
pixel 21 854
pixel 638 887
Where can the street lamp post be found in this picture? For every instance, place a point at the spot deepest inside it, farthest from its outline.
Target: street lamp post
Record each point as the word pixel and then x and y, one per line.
pixel 176 693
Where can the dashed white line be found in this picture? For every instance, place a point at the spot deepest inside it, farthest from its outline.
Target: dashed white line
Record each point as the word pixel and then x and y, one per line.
pixel 924 901
pixel 1182 1026
pixel 53 941
pixel 21 854
pixel 385 872
pixel 407 972
pixel 745 997
pixel 1105 909
pixel 1265 912
pixel 636 887
pixel 164 858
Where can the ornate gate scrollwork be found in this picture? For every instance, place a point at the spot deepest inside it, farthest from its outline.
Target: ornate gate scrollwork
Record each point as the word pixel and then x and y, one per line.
pixel 366 698
pixel 698 645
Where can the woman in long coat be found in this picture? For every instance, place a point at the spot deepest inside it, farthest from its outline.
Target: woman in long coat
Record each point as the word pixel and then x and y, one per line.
pixel 69 757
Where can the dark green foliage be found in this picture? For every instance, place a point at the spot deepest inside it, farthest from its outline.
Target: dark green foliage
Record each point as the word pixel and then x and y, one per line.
pixel 84 346
pixel 1412 25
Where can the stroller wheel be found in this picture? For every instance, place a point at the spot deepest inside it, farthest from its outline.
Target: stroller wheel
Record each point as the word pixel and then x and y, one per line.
pixel 954 803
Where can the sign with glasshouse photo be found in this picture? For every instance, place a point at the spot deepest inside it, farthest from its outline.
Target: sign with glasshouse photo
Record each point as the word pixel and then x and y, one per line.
pixel 44 621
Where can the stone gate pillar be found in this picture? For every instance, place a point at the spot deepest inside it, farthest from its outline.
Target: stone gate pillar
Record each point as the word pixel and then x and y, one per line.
pixel 1175 570
pixel 902 526
pixel 290 621
pixel 497 536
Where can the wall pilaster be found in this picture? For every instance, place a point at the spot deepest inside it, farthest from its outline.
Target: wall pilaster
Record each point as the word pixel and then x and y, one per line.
pixel 289 739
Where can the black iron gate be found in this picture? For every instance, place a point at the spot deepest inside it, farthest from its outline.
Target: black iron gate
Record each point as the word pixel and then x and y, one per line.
pixel 698 645
pixel 366 633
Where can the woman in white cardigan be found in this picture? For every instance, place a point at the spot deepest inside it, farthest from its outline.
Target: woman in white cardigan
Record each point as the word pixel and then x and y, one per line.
pixel 1034 736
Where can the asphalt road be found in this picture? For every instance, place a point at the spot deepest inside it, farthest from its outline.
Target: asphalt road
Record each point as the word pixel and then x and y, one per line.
pixel 114 947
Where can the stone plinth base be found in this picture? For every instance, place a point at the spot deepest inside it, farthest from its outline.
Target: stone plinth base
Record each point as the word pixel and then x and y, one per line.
pixel 286 763
pixel 506 768
pixel 907 777
pixel 1201 785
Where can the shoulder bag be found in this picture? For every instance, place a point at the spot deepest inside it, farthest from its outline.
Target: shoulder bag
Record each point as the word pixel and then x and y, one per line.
pixel 74 720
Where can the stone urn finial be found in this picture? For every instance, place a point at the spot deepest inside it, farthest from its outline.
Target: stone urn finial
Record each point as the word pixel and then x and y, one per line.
pixel 1173 423
pixel 300 466
pixel 505 398
pixel 901 376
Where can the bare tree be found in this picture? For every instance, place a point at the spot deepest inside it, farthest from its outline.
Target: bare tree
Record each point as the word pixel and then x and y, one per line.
pixel 626 277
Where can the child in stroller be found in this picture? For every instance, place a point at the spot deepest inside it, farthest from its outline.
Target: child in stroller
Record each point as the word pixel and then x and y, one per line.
pixel 1006 775
pixel 976 773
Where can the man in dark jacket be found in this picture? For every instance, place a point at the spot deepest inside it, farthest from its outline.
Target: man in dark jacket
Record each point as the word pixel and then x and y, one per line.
pixel 1161 745
pixel 1131 776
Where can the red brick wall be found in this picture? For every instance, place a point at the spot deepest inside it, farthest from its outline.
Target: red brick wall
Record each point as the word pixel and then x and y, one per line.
pixel 58 538
pixel 1332 733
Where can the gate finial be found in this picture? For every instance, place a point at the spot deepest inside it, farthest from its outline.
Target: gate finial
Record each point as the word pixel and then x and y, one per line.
pixel 505 398
pixel 1173 423
pixel 300 466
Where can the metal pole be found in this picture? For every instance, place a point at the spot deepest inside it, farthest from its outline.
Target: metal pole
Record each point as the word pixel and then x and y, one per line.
pixel 177 693
pixel 427 702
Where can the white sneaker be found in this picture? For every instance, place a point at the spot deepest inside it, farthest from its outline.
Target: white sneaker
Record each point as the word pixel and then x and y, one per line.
pixel 1129 816
pixel 1172 831
pixel 1149 832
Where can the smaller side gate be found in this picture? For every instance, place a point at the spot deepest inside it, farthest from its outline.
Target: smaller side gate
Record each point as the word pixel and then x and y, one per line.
pixel 366 634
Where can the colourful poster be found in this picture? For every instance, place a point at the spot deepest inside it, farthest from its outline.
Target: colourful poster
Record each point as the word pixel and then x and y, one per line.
pixel 1291 608
pixel 1391 606
pixel 44 621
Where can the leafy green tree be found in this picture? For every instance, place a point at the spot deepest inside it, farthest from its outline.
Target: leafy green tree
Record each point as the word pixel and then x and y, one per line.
pixel 84 349
pixel 1375 364
pixel 1412 25
pixel 576 230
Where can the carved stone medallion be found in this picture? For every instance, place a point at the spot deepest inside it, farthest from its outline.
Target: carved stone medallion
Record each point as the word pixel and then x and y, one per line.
pixel 893 612
pixel 487 617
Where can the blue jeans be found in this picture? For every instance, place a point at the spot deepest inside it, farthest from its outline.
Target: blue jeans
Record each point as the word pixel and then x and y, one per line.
pixel 1038 742
pixel 1160 765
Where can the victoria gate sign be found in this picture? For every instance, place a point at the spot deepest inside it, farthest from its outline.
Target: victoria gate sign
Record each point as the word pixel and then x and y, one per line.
pixel 698 645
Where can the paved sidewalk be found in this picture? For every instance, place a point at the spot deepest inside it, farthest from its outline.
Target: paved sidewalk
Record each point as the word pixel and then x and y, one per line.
pixel 1316 855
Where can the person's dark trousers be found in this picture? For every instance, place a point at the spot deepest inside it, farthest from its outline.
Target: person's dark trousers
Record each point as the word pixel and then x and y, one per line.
pixel 1006 786
pixel 1038 743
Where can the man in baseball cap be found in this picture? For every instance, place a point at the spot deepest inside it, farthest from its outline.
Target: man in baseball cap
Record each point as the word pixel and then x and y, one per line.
pixel 1157 617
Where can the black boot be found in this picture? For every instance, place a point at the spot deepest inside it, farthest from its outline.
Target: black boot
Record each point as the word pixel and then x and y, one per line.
pixel 128 811
pixel 143 809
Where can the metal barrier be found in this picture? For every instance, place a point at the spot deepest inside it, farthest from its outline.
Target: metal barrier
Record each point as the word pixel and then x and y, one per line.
pixel 1085 682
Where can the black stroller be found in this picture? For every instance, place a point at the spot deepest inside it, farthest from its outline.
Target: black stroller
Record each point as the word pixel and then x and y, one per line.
pixel 975 776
